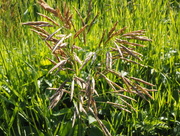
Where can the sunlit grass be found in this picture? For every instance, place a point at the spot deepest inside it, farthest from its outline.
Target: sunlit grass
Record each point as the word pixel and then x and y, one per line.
pixel 23 69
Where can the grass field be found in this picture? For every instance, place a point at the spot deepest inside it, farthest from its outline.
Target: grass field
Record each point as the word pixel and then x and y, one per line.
pixel 24 67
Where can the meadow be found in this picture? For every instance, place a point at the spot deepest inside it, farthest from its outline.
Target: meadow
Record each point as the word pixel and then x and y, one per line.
pixel 25 62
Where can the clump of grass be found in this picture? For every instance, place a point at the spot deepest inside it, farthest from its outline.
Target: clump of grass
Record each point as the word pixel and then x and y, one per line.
pixel 84 69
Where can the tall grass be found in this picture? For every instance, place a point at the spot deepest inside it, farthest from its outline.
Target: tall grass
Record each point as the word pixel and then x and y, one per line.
pixel 23 68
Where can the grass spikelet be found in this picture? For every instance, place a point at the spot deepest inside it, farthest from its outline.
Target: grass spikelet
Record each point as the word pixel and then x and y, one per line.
pixel 55 99
pixel 142 81
pixel 144 91
pixel 127 84
pixel 49 37
pixel 127 104
pixel 57 96
pixel 112 29
pixel 45 6
pixel 72 89
pixel 60 64
pixel 108 60
pixel 109 81
pixel 77 59
pixel 131 61
pixel 60 42
pixel 89 56
pixel 76 108
pixel 119 31
pixel 102 38
pixel 39 33
pixel 103 127
pixel 74 118
pixel 90 25
pixel 38 23
pixel 82 21
pixel 93 87
pixel 44 35
pixel 48 18
pixel 80 79
pixel 40 29
pixel 142 38
pixel 126 97
pixel 89 91
pixel 80 31
pixel 119 50
pixel 52 61
pixel 134 33
pixel 117 104
pixel 128 43
pixel 129 52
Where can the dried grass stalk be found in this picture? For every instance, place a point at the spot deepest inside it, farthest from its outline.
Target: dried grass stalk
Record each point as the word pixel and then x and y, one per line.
pixel 80 79
pixel 60 51
pixel 49 46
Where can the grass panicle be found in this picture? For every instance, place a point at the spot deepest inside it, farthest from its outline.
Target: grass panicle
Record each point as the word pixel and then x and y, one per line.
pixel 83 91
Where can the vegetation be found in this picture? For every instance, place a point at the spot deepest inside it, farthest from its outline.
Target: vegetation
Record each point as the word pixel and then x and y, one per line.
pixel 97 68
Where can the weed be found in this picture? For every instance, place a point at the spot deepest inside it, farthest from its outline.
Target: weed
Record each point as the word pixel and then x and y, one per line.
pixel 84 70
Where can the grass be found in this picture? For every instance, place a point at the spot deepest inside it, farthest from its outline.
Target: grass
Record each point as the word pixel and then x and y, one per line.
pixel 24 67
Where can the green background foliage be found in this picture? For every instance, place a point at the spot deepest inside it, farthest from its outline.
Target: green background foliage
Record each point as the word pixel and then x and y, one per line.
pixel 23 70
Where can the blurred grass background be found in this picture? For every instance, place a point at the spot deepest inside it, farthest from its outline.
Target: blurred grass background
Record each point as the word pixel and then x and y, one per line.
pixel 24 65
